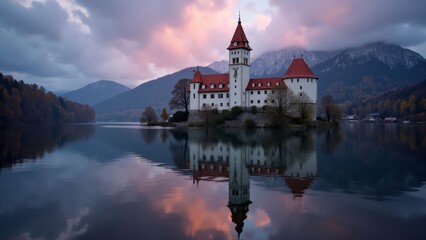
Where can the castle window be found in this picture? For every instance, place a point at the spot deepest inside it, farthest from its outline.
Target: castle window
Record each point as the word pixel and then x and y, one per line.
pixel 300 94
pixel 212 104
pixel 212 95
pixel 300 87
pixel 251 101
pixel 258 101
pixel 204 96
pixel 204 104
pixel 227 104
pixel 221 104
pixel 227 95
pixel 235 43
pixel 235 73
pixel 258 92
pixel 193 86
pixel 272 91
pixel 266 92
pixel 266 101
pixel 297 80
pixel 272 100
pixel 251 92
pixel 235 94
pixel 194 96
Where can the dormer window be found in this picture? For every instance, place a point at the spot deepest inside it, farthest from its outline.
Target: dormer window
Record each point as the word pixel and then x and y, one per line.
pixel 211 85
pixel 277 83
pixel 220 85
pixel 269 84
pixel 235 44
pixel 259 84
pixel 203 86
pixel 252 84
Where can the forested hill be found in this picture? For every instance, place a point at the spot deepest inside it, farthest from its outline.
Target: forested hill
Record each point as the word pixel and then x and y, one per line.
pixel 408 104
pixel 28 103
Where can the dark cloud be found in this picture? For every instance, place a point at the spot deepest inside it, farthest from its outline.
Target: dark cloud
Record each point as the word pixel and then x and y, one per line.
pixel 44 19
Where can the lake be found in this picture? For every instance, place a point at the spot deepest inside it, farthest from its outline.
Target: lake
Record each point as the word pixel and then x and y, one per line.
pixel 125 181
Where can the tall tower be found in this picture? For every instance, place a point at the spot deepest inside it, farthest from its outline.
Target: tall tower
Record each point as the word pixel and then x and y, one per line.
pixel 239 67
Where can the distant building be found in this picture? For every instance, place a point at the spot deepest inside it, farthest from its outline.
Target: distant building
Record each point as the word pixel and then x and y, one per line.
pixel 236 88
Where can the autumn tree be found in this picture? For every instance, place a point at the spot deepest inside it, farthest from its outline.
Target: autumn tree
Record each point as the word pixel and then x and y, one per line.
pixel 149 116
pixel 180 97
pixel 164 115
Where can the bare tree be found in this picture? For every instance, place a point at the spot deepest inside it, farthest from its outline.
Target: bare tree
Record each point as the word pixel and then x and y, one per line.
pixel 283 102
pixel 305 107
pixel 332 111
pixel 149 115
pixel 180 97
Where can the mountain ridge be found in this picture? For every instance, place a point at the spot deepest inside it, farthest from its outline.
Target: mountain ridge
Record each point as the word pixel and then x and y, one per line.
pixel 96 92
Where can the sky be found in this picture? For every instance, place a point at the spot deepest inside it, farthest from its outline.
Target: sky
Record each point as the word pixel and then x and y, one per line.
pixel 66 44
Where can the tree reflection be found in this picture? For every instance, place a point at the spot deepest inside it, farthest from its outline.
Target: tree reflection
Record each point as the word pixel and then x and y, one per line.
pixel 25 142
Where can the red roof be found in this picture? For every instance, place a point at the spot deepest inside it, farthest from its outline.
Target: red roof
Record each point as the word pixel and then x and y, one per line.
pixel 299 69
pixel 240 38
pixel 197 77
pixel 298 185
pixel 265 83
pixel 214 80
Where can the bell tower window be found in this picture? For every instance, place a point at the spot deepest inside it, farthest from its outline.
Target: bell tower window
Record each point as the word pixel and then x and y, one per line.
pixel 235 43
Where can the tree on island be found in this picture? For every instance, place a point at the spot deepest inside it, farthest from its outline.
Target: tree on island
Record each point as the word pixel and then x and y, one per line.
pixel 164 115
pixel 149 116
pixel 180 97
pixel 282 103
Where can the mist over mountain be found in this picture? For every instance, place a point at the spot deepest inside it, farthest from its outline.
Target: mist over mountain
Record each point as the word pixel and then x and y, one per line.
pixel 96 92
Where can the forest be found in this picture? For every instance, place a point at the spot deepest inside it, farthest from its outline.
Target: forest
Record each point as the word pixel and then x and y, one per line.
pixel 29 103
pixel 406 104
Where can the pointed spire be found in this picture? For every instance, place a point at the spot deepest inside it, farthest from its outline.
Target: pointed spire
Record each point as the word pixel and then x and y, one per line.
pixel 239 39
pixel 239 17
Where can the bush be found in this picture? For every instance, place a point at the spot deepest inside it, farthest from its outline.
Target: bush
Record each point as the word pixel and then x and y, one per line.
pixel 227 115
pixel 236 111
pixel 265 107
pixel 249 123
pixel 180 116
pixel 253 109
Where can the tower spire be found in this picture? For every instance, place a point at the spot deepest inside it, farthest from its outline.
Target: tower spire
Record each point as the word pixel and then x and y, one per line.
pixel 239 16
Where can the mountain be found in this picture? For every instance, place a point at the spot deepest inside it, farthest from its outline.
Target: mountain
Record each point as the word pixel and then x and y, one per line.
pixel 128 106
pixel 220 66
pixel 96 92
pixel 275 63
pixel 357 73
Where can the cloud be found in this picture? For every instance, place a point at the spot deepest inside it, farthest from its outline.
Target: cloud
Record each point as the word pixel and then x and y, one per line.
pixel 68 43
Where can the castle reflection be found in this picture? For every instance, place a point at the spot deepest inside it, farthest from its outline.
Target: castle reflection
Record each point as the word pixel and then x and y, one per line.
pixel 223 155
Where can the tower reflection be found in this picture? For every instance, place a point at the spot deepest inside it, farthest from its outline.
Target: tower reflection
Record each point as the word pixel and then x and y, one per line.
pixel 225 156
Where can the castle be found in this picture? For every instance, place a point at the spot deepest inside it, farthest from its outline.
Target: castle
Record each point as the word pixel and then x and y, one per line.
pixel 236 88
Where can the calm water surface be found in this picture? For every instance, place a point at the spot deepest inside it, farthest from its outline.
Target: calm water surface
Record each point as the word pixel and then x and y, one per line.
pixel 123 181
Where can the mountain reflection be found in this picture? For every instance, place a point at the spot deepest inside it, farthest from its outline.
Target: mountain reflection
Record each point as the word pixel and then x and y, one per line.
pixel 21 142
pixel 225 155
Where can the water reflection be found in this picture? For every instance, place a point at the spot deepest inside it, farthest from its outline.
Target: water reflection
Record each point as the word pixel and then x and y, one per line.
pixel 29 142
pixel 228 155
